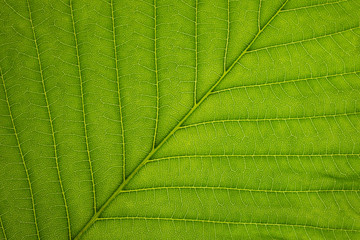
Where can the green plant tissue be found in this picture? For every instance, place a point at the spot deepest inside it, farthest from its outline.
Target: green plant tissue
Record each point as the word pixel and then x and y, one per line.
pixel 179 119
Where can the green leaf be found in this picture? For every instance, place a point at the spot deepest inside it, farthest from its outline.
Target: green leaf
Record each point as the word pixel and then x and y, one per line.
pixel 190 119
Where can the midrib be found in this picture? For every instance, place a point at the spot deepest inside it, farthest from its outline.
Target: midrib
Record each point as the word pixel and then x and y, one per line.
pixel 177 127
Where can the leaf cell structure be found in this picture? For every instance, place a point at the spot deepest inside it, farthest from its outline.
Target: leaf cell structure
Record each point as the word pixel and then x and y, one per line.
pixel 189 119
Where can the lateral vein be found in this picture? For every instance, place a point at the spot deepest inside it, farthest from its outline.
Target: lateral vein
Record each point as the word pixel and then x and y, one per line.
pixel 230 222
pixel 156 76
pixel 257 155
pixel 270 119
pixel 242 189
pixel 50 120
pixel 227 34
pixel 118 90
pixel 83 104
pixel 196 50
pixel 351 29
pixel 287 81
pixel 23 162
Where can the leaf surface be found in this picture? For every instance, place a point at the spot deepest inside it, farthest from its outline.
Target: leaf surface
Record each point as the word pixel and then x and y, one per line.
pixel 188 119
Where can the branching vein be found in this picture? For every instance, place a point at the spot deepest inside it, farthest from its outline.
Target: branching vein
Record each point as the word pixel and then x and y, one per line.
pixel 50 119
pixel 271 119
pixel 313 6
pixel 227 34
pixel 118 90
pixel 241 189
pixel 258 155
pixel 304 40
pixel 3 228
pixel 196 49
pixel 156 75
pixel 23 162
pixel 230 223
pixel 83 104
pixel 288 81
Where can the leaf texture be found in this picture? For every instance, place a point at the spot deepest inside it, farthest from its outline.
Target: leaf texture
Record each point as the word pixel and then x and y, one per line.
pixel 189 119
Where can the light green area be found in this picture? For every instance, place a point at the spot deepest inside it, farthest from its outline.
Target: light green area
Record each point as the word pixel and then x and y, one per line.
pixel 189 119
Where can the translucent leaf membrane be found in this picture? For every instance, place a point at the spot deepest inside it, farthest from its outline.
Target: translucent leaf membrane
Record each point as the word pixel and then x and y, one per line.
pixel 190 119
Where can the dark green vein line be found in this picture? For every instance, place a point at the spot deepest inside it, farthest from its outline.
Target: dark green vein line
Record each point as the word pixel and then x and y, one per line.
pixel 118 90
pixel 50 119
pixel 242 189
pixel 147 158
pixel 23 161
pixel 156 75
pixel 230 223
pixel 270 119
pixel 83 104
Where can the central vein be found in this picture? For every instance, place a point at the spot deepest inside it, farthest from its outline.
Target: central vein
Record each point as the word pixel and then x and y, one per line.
pixel 178 126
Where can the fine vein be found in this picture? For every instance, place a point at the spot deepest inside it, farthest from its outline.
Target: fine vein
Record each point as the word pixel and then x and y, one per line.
pixel 177 127
pixel 50 119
